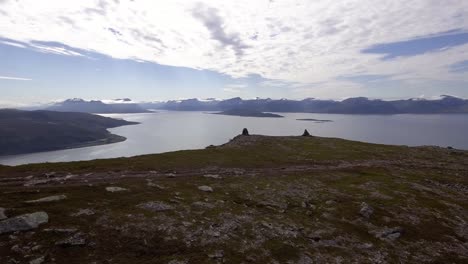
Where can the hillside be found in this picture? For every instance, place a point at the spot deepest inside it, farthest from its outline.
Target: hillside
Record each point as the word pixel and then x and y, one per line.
pixel 34 131
pixel 256 199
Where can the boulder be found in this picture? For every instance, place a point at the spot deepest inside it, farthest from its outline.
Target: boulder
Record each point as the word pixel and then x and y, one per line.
pixel 306 133
pixel 23 222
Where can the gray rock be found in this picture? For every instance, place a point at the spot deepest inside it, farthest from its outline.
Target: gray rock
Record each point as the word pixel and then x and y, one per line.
pixel 115 189
pixel 37 182
pixel 205 188
pixel 81 212
pixel 39 260
pixel 2 213
pixel 75 240
pixel 213 176
pixel 217 254
pixel 366 210
pixel 175 261
pixel 61 230
pixel 203 205
pixel 23 222
pixel 389 233
pixel 49 199
pixel 156 206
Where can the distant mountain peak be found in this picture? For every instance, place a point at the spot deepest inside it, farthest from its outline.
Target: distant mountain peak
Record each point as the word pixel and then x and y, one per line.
pixel 74 100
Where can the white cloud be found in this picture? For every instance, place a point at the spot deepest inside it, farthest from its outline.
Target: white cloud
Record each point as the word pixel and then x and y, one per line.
pixel 14 78
pixel 293 42
pixel 234 88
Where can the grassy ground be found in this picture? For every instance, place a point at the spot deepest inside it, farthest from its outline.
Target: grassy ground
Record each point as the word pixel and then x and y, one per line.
pixel 274 200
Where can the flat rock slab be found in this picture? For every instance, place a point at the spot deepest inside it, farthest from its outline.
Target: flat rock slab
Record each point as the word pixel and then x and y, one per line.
pixel 205 188
pixel 115 189
pixel 48 199
pixel 23 222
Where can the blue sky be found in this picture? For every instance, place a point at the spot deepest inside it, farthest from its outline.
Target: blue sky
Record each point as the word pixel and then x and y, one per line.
pixel 148 50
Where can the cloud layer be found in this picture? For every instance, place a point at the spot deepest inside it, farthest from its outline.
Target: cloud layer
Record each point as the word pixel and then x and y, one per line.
pixel 312 43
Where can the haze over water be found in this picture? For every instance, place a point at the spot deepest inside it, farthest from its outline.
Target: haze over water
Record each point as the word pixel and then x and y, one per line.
pixel 170 131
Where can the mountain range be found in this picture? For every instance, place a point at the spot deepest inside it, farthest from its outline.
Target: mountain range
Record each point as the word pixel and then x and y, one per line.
pixel 98 107
pixel 357 105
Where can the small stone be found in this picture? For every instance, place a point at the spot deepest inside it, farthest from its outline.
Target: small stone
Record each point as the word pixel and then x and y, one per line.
pixel 170 175
pixel 175 261
pixel 86 211
pixel 48 199
pixel 213 176
pixel 156 206
pixel 366 210
pixel 213 233
pixel 75 240
pixel 23 222
pixel 61 230
pixel 217 254
pixel 2 213
pixel 205 188
pixel 115 189
pixel 39 260
pixel 389 233
pixel 36 247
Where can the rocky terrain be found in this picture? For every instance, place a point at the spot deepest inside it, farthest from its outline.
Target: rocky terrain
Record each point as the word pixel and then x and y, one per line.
pixel 256 199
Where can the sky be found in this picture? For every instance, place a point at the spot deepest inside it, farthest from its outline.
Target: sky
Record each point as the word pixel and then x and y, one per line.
pixel 171 49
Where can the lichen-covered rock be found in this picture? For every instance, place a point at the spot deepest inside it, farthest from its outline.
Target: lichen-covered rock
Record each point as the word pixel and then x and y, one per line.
pixel 389 233
pixel 366 210
pixel 115 189
pixel 23 222
pixel 156 206
pixel 48 199
pixel 76 240
pixel 86 211
pixel 39 260
pixel 205 188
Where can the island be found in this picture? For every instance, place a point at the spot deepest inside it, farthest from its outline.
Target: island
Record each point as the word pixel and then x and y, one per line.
pixel 247 113
pixel 255 199
pixel 35 131
pixel 314 120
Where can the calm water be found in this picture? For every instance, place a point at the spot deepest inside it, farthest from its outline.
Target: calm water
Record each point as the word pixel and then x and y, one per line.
pixel 169 131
